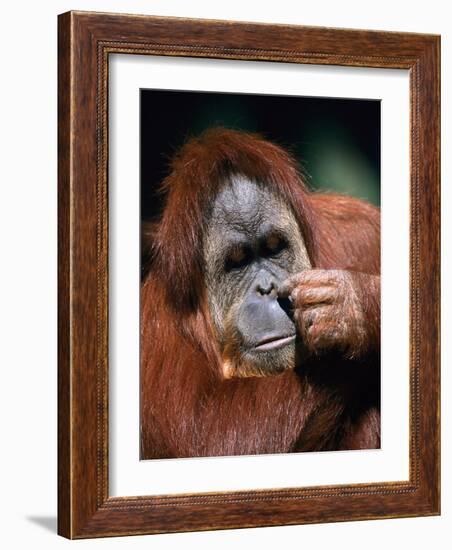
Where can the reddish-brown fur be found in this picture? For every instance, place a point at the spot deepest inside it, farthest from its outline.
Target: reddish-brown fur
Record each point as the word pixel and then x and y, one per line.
pixel 187 408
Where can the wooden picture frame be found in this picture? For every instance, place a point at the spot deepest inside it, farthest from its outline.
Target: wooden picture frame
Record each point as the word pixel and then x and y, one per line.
pixel 85 42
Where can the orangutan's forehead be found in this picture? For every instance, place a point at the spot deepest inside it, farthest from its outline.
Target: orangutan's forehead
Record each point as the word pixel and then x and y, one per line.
pixel 245 205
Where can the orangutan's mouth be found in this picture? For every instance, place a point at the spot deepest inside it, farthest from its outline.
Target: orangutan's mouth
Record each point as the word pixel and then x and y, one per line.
pixel 274 342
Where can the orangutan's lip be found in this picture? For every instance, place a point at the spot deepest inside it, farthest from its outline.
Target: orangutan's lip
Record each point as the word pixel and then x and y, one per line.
pixel 274 342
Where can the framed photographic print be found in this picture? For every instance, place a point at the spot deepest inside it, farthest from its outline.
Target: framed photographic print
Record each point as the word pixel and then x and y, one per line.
pixel 248 275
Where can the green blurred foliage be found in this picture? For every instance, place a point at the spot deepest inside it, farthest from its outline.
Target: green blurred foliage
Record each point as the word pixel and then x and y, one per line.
pixel 334 162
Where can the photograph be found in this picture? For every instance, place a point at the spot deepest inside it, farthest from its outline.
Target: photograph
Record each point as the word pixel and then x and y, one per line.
pixel 225 230
pixel 248 274
pixel 260 274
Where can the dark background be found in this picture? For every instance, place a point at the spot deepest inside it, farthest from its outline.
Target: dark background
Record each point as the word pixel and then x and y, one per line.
pixel 336 141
